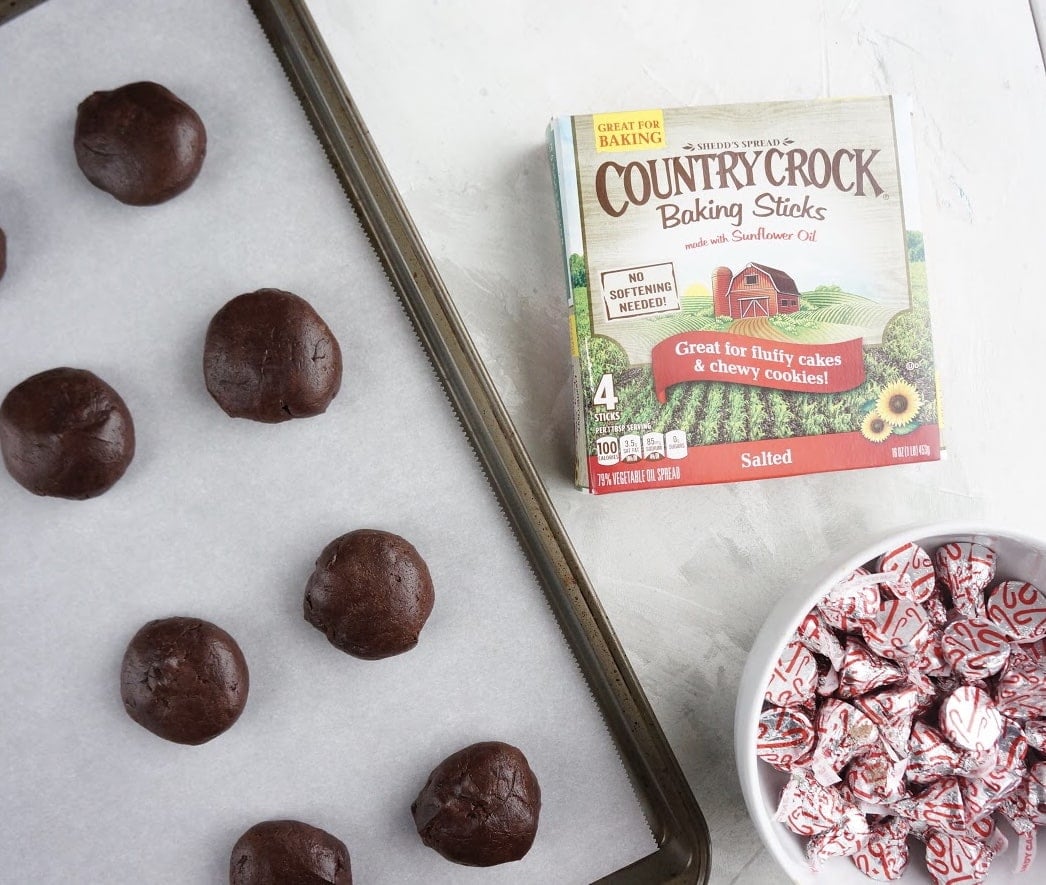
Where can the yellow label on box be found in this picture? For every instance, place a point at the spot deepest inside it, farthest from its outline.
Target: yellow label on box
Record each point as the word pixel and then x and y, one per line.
pixel 629 131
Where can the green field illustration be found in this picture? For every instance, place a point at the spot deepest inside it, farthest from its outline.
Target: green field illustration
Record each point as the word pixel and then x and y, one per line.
pixel 898 350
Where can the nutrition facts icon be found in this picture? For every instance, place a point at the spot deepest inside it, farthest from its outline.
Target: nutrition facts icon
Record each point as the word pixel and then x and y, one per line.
pixel 608 450
pixel 632 448
pixel 675 444
pixel 653 446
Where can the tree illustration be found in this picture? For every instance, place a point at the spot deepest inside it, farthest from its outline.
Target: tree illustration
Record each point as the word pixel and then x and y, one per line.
pixel 916 251
pixel 578 274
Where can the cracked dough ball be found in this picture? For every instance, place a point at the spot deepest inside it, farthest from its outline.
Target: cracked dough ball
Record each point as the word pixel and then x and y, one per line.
pixel 480 805
pixel 289 852
pixel 269 356
pixel 140 143
pixel 65 433
pixel 370 594
pixel 184 679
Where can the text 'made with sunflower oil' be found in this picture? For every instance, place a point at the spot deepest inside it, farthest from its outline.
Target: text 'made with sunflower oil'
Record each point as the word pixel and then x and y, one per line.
pixel 747 292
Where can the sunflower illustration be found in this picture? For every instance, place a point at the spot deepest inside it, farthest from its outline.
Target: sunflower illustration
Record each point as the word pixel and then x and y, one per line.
pixel 898 403
pixel 874 428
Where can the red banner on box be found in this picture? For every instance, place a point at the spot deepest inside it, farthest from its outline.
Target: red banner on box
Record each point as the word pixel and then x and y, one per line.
pixel 760 362
pixel 762 459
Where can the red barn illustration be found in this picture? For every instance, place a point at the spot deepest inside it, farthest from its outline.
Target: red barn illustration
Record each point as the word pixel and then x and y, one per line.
pixel 755 291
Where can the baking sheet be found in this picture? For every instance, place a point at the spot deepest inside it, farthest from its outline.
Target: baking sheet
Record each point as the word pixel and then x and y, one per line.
pixel 222 519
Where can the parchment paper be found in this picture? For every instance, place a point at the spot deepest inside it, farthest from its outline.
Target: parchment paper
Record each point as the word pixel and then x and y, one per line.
pixel 222 518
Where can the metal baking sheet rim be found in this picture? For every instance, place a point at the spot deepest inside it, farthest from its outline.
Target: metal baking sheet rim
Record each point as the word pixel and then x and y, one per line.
pixel 673 814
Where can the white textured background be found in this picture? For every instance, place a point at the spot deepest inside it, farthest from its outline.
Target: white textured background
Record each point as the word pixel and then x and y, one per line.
pixel 457 95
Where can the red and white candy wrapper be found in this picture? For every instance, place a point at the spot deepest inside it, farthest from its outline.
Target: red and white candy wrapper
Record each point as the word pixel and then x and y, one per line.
pixel 807 808
pixel 892 711
pixel 899 631
pixel 931 757
pixel 913 570
pixel 936 610
pixel 1036 784
pixel 932 661
pixel 1021 689
pixel 875 778
pixel 970 719
pixel 843 732
pixel 816 634
pixel 863 671
pixel 981 797
pixel 966 570
pixel 1012 746
pixel 786 737
pixel 975 648
pixel 843 840
pixel 794 679
pixel 827 680
pixel 986 830
pixel 1035 732
pixel 980 763
pixel 852 601
pixel 891 704
pixel 884 856
pixel 986 791
pixel 940 806
pixel 1025 810
pixel 894 737
pixel 1027 851
pixel 1018 810
pixel 885 654
pixel 956 860
pixel 1019 611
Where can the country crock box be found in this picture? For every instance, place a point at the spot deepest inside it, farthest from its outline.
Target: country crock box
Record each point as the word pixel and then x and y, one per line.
pixel 747 291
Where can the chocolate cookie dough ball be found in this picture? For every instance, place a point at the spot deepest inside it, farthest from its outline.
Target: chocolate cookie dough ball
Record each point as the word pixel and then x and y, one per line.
pixel 65 433
pixel 140 143
pixel 184 679
pixel 370 594
pixel 270 357
pixel 480 806
pixel 288 852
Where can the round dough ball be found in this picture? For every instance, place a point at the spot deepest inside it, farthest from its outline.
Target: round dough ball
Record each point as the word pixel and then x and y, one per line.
pixel 140 143
pixel 270 357
pixel 370 594
pixel 480 806
pixel 65 433
pixel 289 852
pixel 184 679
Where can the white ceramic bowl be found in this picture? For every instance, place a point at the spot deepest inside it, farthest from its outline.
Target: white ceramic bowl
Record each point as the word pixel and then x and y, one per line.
pixel 1019 556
